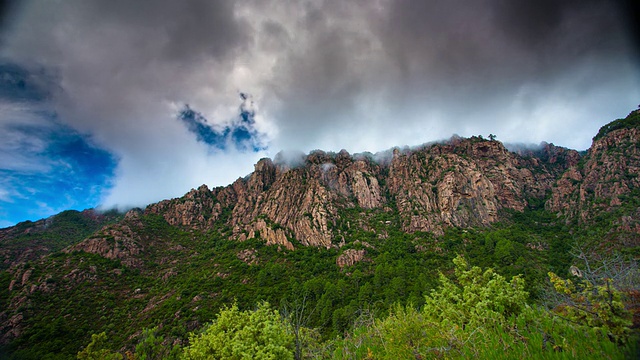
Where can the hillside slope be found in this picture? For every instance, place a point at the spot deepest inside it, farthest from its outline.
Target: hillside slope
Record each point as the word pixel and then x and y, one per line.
pixel 349 234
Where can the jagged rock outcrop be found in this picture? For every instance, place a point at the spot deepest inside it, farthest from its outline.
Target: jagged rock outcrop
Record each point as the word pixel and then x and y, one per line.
pixel 197 209
pixel 462 182
pixel 605 180
pixel 119 241
pixel 350 256
pixel 456 183
pixel 292 199
pixel 272 236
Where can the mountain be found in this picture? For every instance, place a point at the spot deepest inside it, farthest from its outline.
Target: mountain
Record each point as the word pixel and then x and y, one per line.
pixel 459 183
pixel 30 240
pixel 604 187
pixel 347 233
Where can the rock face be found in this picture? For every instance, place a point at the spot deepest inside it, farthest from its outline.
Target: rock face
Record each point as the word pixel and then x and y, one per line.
pixel 463 182
pixel 610 171
pixel 119 241
pixel 272 236
pixel 350 257
pixel 198 208
pixel 296 201
pixel 606 180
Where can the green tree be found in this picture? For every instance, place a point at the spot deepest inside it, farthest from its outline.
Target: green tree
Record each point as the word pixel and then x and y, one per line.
pixel 476 314
pixel 598 306
pixel 96 350
pixel 151 347
pixel 478 298
pixel 236 335
pixel 504 252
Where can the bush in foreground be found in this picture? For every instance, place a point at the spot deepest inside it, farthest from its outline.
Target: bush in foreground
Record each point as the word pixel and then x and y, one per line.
pixel 476 315
pixel 236 335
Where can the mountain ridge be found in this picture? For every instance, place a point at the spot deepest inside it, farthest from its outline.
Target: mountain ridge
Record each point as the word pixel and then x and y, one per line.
pixel 376 230
pixel 431 185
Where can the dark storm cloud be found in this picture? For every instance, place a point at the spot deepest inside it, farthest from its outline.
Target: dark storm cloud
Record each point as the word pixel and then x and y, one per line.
pixel 6 9
pixel 124 70
pixel 454 66
pixel 498 44
pixel 113 54
pixel 174 30
pixel 468 48
pixel 364 75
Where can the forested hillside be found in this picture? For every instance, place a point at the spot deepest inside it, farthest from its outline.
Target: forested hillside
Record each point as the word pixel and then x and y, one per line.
pixel 456 249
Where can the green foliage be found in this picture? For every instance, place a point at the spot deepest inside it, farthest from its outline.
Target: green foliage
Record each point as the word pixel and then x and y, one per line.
pixel 53 234
pixel 151 347
pixel 631 121
pixel 235 334
pixel 96 350
pixel 478 298
pixel 186 276
pixel 476 315
pixel 597 306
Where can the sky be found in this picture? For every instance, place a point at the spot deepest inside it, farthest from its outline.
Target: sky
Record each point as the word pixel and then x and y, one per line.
pixel 118 103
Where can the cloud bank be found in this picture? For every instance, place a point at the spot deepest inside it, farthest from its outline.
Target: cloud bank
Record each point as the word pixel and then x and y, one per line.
pixel 360 75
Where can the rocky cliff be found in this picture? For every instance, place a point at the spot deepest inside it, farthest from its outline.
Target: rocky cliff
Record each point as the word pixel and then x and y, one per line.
pixel 296 200
pixel 172 260
pixel 292 201
pixel 605 181
pixel 461 183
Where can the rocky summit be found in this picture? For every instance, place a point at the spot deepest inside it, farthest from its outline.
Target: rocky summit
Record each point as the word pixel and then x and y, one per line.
pixel 350 234
pixel 457 183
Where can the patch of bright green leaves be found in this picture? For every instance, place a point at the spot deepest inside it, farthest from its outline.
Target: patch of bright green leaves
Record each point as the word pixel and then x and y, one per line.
pixel 243 335
pixel 477 314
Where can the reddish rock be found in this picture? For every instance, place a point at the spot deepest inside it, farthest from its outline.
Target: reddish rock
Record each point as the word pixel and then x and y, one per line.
pixel 114 242
pixel 349 257
pixel 462 183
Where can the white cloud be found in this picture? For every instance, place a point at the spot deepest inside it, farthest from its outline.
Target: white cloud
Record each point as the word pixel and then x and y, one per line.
pixel 5 195
pixel 360 75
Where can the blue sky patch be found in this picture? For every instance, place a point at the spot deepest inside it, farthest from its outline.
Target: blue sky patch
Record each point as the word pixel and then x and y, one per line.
pixel 67 173
pixel 241 134
pixel 45 166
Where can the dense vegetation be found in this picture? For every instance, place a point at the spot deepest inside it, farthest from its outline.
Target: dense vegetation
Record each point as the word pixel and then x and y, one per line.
pixel 328 311
pixel 53 234
pixel 631 121
pixel 537 284
pixel 478 314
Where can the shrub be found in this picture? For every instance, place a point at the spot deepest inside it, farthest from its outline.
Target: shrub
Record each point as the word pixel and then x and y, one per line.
pixel 259 334
pixel 598 306
pixel 478 314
